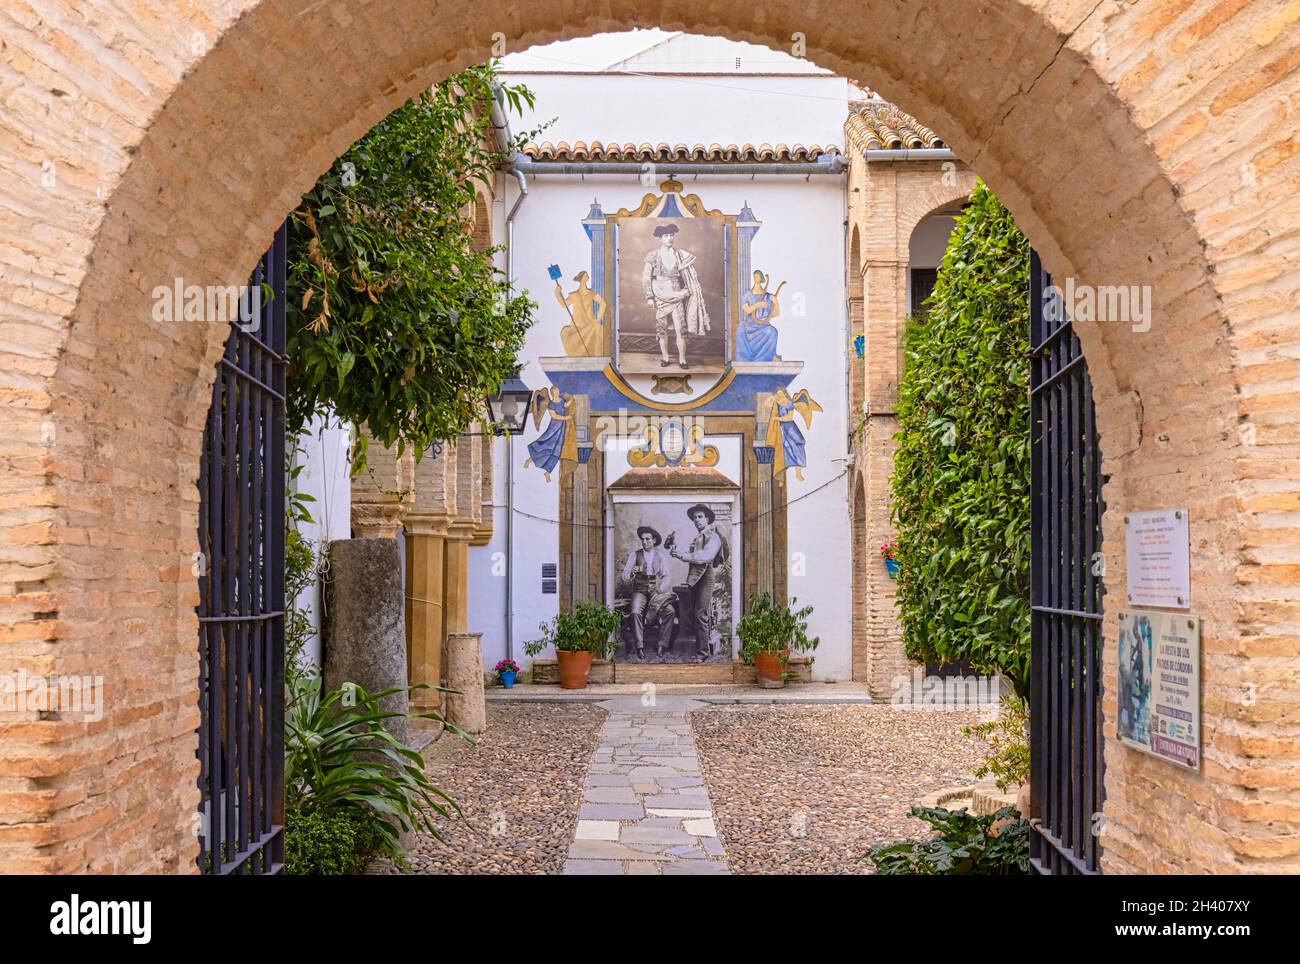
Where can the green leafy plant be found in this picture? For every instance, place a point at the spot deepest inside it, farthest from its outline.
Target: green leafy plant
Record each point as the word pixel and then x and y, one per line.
pixel 589 628
pixel 961 470
pixel 336 841
pixel 338 755
pixel 1007 757
pixel 769 627
pixel 994 844
pixel 396 320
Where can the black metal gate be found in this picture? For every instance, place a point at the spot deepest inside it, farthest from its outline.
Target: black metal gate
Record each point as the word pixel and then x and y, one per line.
pixel 1065 691
pixel 241 582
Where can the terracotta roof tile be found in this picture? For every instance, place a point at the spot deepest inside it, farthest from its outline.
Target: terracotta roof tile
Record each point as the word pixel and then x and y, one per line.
pixel 875 125
pixel 667 153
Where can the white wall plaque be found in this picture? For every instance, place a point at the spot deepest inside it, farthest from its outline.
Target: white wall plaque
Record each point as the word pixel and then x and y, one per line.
pixel 1158 549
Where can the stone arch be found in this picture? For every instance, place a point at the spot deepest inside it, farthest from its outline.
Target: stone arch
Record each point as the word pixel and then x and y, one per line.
pixel 1139 144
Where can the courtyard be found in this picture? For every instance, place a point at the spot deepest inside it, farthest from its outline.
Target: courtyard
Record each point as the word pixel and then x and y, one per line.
pixel 565 439
pixel 613 786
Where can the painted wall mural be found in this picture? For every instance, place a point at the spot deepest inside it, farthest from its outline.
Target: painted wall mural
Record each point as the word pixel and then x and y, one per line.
pixel 756 336
pixel 559 442
pixel 673 581
pixel 584 335
pixel 783 432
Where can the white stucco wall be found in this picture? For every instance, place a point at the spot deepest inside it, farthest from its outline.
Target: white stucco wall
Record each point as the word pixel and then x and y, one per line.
pixel 800 242
pixel 324 457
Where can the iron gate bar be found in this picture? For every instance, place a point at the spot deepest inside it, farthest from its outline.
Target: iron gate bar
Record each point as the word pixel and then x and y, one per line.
pixel 1066 606
pixel 242 607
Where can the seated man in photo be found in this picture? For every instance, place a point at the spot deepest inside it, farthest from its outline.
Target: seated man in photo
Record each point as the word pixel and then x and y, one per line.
pixel 647 572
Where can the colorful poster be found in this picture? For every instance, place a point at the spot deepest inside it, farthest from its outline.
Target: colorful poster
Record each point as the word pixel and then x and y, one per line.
pixel 1160 685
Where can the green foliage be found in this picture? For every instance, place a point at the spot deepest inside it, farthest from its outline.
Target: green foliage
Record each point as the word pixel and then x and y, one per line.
pixel 961 471
pixel 589 628
pixel 338 755
pixel 395 321
pixel 1007 758
pixel 768 627
pixel 995 844
pixel 337 841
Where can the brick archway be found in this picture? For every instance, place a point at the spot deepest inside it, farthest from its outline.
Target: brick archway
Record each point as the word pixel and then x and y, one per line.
pixel 1136 144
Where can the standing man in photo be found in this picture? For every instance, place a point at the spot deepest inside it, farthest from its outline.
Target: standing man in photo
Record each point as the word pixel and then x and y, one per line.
pixel 671 285
pixel 706 556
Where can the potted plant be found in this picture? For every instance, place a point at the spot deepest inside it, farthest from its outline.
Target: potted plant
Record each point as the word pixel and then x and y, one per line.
pixel 888 552
pixel 578 637
pixel 769 632
pixel 507 670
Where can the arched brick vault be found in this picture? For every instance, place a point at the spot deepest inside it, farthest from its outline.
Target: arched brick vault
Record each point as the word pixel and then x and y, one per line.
pixel 1142 143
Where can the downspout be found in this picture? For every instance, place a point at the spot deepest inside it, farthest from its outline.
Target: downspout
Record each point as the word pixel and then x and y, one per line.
pixel 501 124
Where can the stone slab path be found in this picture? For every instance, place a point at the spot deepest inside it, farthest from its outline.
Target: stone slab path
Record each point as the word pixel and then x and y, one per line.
pixel 645 806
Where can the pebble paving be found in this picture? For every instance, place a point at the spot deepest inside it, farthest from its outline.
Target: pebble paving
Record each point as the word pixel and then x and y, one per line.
pixel 807 789
pixel 645 807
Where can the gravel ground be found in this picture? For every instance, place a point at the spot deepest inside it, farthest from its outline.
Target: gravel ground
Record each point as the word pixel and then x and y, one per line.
pixel 806 789
pixel 519 786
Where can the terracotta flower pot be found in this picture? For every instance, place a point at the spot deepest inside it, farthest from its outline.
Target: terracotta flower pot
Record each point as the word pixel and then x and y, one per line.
pixel 769 667
pixel 574 667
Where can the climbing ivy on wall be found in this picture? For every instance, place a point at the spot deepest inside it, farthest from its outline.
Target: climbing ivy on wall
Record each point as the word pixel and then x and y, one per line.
pixel 961 471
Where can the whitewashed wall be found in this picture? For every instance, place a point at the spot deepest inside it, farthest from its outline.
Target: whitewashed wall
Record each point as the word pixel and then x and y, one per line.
pixel 801 242
pixel 324 456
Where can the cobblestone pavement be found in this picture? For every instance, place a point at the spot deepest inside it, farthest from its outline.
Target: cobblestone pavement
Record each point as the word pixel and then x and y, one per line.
pixel 519 786
pixel 645 808
pixel 807 789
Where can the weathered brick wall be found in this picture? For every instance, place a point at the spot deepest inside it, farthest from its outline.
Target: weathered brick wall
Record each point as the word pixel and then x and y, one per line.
pixel 1149 142
pixel 887 201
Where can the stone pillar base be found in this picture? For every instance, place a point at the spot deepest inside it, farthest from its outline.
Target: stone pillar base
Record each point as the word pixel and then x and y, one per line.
pixel 467 707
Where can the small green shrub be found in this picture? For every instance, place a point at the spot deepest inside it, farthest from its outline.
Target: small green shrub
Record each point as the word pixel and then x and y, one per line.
pixel 334 841
pixel 589 628
pixel 995 844
pixel 338 756
pixel 768 627
pixel 1007 758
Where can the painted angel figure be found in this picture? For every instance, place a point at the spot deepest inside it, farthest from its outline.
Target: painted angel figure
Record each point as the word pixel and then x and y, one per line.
pixel 783 432
pixel 559 443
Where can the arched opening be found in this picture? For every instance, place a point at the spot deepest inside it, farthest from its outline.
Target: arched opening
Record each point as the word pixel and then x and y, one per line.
pixel 1114 169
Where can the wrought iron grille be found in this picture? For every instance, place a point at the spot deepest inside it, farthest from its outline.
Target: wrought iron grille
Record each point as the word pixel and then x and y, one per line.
pixel 1066 686
pixel 241 589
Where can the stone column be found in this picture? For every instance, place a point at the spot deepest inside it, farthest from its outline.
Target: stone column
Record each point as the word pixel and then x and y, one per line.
pixel 466 707
pixel 425 626
pixel 580 540
pixel 383 492
pixel 426 533
pixel 364 642
pixel 762 526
